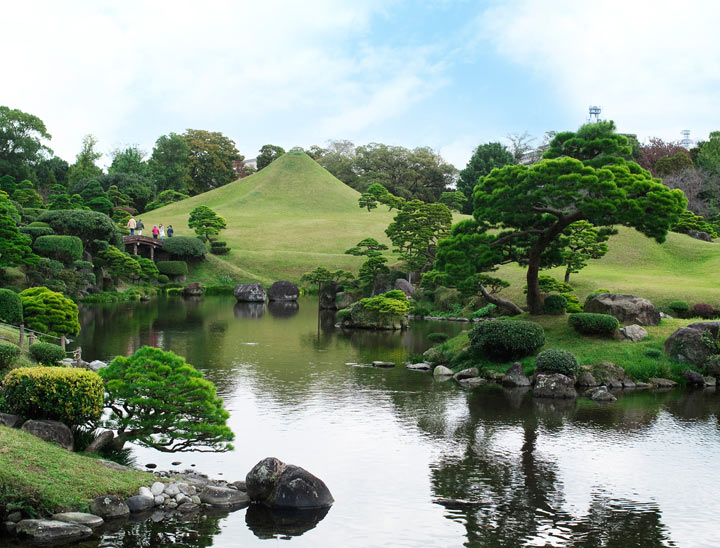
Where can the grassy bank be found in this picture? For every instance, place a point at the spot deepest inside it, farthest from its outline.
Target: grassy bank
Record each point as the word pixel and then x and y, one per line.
pixel 41 477
pixel 641 360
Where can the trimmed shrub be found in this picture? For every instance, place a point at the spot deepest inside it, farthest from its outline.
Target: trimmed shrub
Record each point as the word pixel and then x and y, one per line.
pixel 65 394
pixel 149 269
pixel 484 312
pixel 163 279
pixel 47 353
pixel 49 312
pixel 83 265
pixel 573 303
pixel 8 354
pixel 555 305
pixel 593 324
pixel 39 224
pixel 557 361
pixel 10 307
pixel 185 247
pixel 36 231
pixel 85 224
pixel 219 290
pixel 173 268
pixel 703 310
pixel 343 314
pixel 507 339
pixel 65 249
pixel 437 337
pixel 679 308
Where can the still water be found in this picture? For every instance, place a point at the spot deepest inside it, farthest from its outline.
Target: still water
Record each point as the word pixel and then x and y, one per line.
pixel 388 442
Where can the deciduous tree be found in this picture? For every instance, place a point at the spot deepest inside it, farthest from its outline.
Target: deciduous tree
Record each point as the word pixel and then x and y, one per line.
pixel 210 161
pixel 22 147
pixel 485 158
pixel 268 154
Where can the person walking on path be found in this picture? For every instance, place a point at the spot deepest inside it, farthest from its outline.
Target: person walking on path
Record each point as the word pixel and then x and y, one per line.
pixel 155 231
pixel 170 231
pixel 139 227
pixel 131 225
pixel 162 232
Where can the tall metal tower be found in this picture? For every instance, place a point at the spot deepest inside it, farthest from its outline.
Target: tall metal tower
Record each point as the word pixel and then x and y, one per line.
pixel 686 141
pixel 594 114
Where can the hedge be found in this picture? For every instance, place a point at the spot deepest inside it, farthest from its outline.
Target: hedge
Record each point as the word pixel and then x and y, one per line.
pixel 65 249
pixel 10 307
pixel 186 247
pixel 507 339
pixel 593 324
pixel 66 394
pixel 555 304
pixel 37 231
pixel 47 353
pixel 557 361
pixel 173 268
pixel 8 354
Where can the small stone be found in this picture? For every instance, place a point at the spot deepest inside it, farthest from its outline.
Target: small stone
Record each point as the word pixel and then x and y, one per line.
pixel 171 504
pixel 223 497
pixel 157 488
pixel 586 379
pixel 176 463
pixel 9 527
pixel 11 421
pixel 151 466
pixel 442 371
pixel 139 503
pixel 641 385
pixel 628 383
pixel 81 518
pixel 109 506
pixel 181 499
pixel 472 382
pixel 613 384
pixel 239 485
pixel 632 333
pixel 145 492
pixel 195 499
pixel 421 366
pixel 172 490
pixel 694 378
pixel 515 376
pixel 710 381
pixel 602 395
pixel 468 373
pixel 662 383
pixel 383 364
pixel 187 507
pixel 186 489
pixel 52 431
pixel 160 500
pixel 15 517
pixel 96 365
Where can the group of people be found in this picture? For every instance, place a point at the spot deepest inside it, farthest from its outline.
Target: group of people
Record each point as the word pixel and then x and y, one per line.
pixel 158 231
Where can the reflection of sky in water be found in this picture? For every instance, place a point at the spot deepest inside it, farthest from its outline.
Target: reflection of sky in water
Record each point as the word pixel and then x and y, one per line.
pixel 387 442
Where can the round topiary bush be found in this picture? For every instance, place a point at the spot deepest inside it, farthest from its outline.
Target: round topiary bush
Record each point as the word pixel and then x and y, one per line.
pixel 66 394
pixel 437 337
pixel 47 353
pixel 65 249
pixel 557 361
pixel 10 307
pixel 49 312
pixel 555 305
pixel 163 279
pixel 8 354
pixel 679 308
pixel 172 268
pixel 185 247
pixel 507 339
pixel 594 324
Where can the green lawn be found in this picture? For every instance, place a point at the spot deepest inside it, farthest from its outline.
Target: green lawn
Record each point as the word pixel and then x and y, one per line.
pixel 41 476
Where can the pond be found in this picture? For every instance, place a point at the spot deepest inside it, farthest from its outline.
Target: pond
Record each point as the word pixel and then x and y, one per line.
pixel 389 442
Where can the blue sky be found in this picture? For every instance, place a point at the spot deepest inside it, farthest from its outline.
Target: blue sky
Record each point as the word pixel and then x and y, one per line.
pixel 444 74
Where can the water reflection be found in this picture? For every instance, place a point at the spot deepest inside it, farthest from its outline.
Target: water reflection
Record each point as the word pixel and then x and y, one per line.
pixel 253 311
pixel 267 523
pixel 183 531
pixel 283 309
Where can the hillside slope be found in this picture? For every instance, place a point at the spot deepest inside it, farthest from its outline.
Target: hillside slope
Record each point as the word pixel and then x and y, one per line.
pixel 282 221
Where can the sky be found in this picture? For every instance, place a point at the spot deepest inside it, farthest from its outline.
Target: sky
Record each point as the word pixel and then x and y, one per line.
pixel 445 74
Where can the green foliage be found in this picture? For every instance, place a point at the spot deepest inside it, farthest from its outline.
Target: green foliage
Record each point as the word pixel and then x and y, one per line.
pixel 555 304
pixel 557 361
pixel 382 310
pixel 593 324
pixel 166 197
pixel 162 278
pixel 49 312
pixel 84 166
pixel 484 312
pixel 82 265
pixel 169 164
pixel 437 337
pixel 679 308
pixel 321 276
pixel 14 247
pixel 708 156
pixel 174 291
pixel 66 394
pixel 10 307
pixel 172 268
pixel 268 154
pixel 454 200
pixel 573 303
pixel 149 269
pixel 47 353
pixel 218 247
pixel 65 249
pixel 344 314
pixel 8 354
pixel 548 284
pixel 36 231
pixel 689 221
pixel 667 165
pixel 86 225
pixel 160 401
pixel 485 158
pixel 206 222
pixel 210 160
pixel 120 264
pixel 584 242
pixel 27 196
pixel 187 247
pixel 21 142
pixel 653 353
pixel 219 290
pixel 507 339
pixel 712 364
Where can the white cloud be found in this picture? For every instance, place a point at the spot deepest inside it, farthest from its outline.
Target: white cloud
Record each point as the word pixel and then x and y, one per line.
pixel 652 65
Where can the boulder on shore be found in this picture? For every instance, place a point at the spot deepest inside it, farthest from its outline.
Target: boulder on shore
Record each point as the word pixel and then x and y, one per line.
pixel 555 385
pixel 109 506
pixel 694 378
pixel 46 531
pixel 81 518
pixel 52 431
pixel 193 289
pixel 632 333
pixel 626 308
pixel 223 497
pixel 250 293
pixel 689 344
pixel 442 371
pixel 515 376
pixel 283 291
pixel 601 394
pixel 11 421
pixel 278 485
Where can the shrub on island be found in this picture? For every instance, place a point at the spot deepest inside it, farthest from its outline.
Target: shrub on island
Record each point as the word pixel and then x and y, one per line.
pixel 557 361
pixel 185 247
pixel 507 339
pixel 593 324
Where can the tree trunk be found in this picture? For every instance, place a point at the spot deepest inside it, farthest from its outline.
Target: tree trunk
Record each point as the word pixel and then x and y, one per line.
pixel 511 307
pixel 567 275
pixel 534 298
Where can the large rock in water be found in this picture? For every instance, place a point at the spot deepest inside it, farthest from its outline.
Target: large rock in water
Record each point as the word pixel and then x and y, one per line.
pixel 223 497
pixel 46 532
pixel 326 295
pixel 555 385
pixel 283 291
pixel 250 293
pixel 193 289
pixel 690 344
pixel 626 308
pixel 515 376
pixel 278 485
pixel 52 431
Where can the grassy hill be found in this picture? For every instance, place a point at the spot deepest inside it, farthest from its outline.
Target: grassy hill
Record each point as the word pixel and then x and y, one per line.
pixel 283 221
pixel 293 216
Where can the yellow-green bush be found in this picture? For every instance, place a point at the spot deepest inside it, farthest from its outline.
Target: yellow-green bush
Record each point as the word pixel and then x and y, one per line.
pixel 65 394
